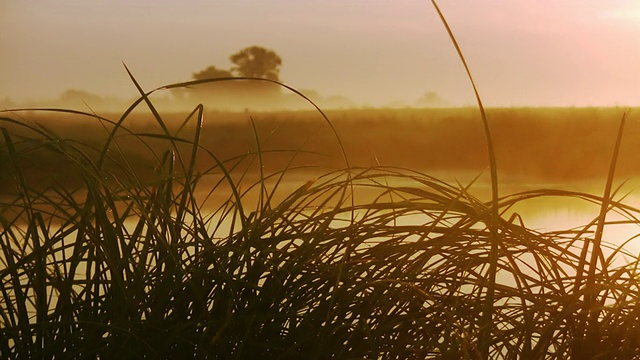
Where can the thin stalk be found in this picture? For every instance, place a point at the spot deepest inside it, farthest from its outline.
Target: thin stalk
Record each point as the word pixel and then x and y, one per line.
pixel 591 294
pixel 487 314
pixel 263 187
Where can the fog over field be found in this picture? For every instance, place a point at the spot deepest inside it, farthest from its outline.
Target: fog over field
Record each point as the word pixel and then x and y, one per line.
pixel 374 53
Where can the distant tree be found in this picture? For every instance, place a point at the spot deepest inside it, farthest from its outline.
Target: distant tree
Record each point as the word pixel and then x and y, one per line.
pixel 74 98
pixel 72 95
pixel 253 61
pixel 430 99
pixel 220 90
pixel 211 72
pixel 256 61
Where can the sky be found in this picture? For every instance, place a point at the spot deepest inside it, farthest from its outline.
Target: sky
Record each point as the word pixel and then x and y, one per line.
pixel 375 52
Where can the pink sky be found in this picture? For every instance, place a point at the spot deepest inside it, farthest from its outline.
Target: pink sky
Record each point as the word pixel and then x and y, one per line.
pixel 522 53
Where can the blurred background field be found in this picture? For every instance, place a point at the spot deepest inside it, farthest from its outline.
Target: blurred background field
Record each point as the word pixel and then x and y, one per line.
pixel 538 146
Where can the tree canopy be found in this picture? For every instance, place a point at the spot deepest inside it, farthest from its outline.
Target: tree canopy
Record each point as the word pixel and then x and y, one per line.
pixel 256 61
pixel 252 61
pixel 211 72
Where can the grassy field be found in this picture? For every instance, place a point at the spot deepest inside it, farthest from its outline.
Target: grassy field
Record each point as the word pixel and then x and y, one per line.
pixel 533 145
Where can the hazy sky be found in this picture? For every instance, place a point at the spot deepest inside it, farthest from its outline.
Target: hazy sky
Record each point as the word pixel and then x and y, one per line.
pixel 543 52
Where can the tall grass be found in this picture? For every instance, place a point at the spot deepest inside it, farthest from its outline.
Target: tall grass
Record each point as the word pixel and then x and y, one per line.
pixel 488 310
pixel 228 262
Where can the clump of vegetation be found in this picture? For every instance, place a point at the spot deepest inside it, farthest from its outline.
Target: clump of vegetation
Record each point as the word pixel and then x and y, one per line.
pixel 179 261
